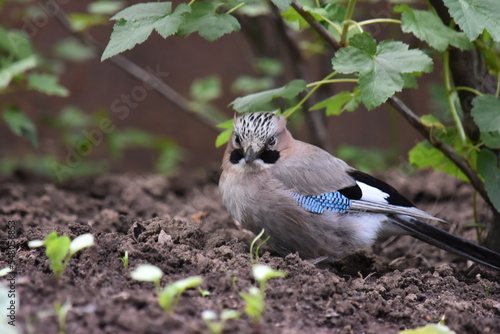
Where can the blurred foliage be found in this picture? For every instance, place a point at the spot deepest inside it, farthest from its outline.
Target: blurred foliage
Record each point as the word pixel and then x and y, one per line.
pixel 80 134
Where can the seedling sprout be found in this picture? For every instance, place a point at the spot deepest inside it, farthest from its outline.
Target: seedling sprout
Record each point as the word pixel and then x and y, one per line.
pixel 214 323
pixel 169 297
pixel 60 249
pixel 62 312
pixel 254 253
pixel 255 304
pixel 124 259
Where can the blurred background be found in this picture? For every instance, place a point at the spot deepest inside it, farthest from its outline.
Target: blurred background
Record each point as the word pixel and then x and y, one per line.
pixel 115 122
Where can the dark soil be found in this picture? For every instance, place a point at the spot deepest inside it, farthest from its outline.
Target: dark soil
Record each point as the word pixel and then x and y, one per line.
pixel 182 228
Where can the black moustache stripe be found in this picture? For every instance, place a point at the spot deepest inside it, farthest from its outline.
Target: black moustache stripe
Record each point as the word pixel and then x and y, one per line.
pixel 268 157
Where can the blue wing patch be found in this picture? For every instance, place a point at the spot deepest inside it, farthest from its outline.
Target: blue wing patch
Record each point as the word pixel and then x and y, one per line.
pixel 333 201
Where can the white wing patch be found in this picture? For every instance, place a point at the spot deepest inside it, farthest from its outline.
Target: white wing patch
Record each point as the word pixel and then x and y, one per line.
pixel 372 194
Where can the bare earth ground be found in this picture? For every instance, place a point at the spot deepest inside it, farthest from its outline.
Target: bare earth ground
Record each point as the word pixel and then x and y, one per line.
pixel 182 228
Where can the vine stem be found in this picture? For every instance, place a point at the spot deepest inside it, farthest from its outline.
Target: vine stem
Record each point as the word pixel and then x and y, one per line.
pixel 468 89
pixel 449 97
pixel 345 25
pixel 497 92
pixel 326 81
pixel 366 22
pixel 235 8
pixel 316 86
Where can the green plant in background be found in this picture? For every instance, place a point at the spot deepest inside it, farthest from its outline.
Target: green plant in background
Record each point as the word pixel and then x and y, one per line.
pixel 217 323
pixel 464 141
pixel 168 297
pixel 255 304
pixel 60 249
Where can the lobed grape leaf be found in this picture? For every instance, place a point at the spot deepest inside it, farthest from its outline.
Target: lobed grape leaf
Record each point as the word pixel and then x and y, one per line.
pixel 380 67
pixel 487 163
pixel 136 23
pixel 474 16
pixel 429 28
pixel 204 19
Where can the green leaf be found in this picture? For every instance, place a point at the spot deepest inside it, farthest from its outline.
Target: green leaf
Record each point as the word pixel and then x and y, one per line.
pixel 282 4
pixel 81 22
pixel 255 102
pixel 425 155
pixel 429 329
pixel 137 22
pixel 487 163
pixel 336 104
pixel 205 20
pixel 105 7
pixel 247 85
pixel 223 138
pixel 57 249
pixel 269 66
pixel 491 139
pixel 20 124
pixel 486 113
pixel 73 50
pixel 47 83
pixel 474 16
pixel 380 67
pixel 206 89
pixel 428 27
pixel 10 70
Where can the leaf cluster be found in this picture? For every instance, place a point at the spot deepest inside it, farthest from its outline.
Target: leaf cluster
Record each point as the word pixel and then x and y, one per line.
pixel 60 249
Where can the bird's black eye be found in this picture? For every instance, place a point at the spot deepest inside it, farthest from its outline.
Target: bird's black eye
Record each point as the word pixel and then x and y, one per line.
pixel 237 140
pixel 271 141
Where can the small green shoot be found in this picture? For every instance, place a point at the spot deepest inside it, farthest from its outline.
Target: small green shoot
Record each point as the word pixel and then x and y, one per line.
pixel 62 312
pixel 216 324
pixel 254 253
pixel 124 259
pixel 60 249
pixel 203 293
pixel 255 304
pixel 169 297
pixel 430 329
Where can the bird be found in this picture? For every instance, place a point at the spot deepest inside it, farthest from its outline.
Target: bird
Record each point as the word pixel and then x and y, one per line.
pixel 309 202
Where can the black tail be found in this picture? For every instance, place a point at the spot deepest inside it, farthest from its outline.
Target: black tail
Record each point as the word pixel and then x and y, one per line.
pixel 447 241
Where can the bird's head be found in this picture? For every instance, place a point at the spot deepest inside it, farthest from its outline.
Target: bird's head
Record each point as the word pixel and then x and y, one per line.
pixel 257 139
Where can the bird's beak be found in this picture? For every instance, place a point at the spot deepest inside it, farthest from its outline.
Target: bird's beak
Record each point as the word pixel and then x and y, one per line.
pixel 250 155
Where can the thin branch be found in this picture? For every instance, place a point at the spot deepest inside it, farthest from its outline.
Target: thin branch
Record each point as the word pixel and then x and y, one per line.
pixel 141 74
pixel 316 25
pixel 414 121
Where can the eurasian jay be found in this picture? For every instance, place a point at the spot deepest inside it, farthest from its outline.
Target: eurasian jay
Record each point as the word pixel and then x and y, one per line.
pixel 313 203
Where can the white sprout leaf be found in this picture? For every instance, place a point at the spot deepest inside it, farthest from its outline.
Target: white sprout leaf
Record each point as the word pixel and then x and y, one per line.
pixel 188 283
pixel 5 271
pixel 81 242
pixel 147 273
pixel 209 315
pixel 263 273
pixel 35 243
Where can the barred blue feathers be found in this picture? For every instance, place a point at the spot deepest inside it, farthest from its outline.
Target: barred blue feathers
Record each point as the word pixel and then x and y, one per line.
pixel 333 201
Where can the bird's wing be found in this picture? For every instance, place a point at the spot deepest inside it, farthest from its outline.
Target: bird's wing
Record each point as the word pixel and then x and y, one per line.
pixel 319 182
